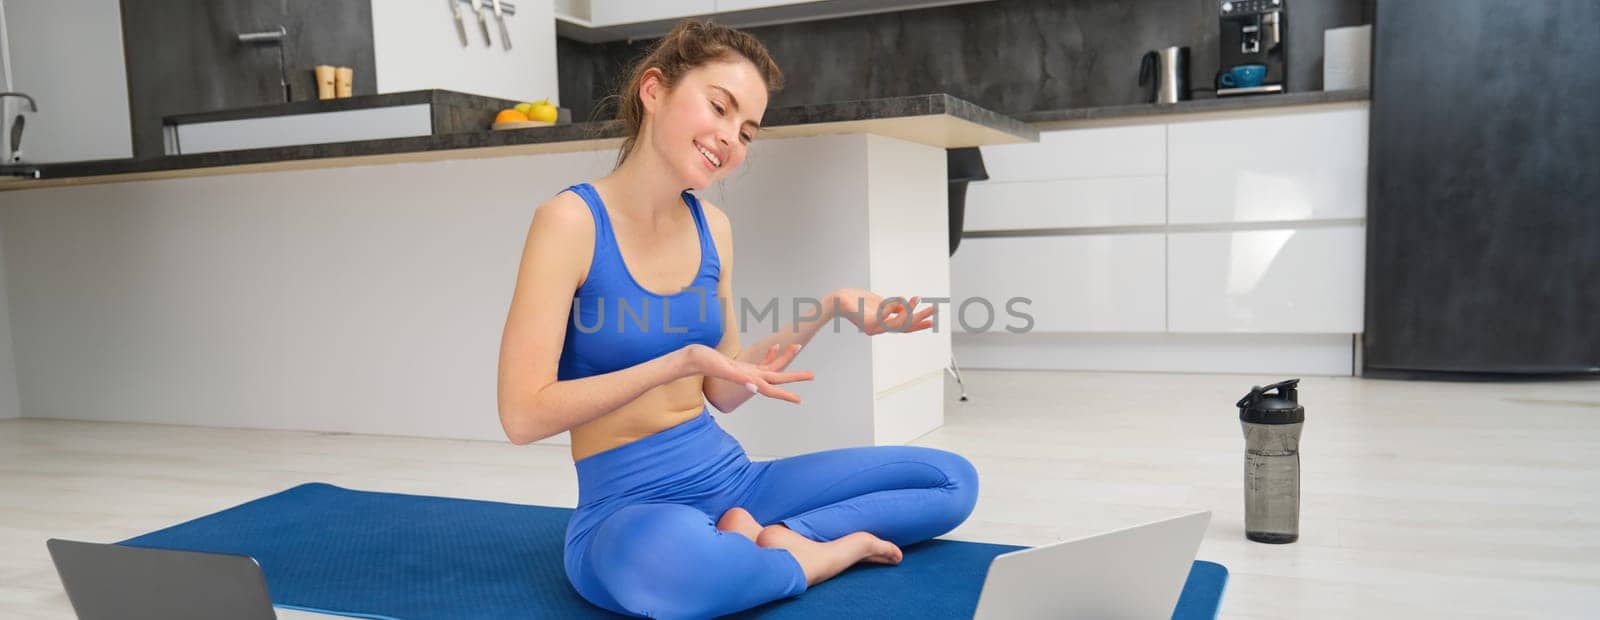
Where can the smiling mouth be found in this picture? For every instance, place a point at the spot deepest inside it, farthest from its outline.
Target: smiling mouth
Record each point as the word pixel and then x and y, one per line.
pixel 716 162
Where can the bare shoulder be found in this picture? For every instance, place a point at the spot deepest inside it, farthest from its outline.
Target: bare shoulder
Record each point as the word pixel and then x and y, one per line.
pixel 564 213
pixel 561 238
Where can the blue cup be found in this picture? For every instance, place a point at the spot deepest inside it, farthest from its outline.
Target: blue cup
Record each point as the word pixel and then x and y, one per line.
pixel 1244 76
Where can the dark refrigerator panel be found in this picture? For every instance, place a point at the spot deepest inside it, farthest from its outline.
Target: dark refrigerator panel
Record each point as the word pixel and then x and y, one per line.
pixel 1483 250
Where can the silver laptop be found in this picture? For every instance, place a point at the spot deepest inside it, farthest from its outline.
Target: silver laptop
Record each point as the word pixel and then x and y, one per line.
pixel 1135 573
pixel 133 583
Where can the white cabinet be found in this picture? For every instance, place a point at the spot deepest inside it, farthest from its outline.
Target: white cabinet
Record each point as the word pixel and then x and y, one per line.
pixel 611 20
pixel 745 5
pixel 615 12
pixel 1283 167
pixel 376 123
pixel 1067 203
pixel 1112 176
pixel 1076 283
pixel 1230 243
pixel 1179 188
pixel 1081 153
pixel 1295 280
pixel 779 11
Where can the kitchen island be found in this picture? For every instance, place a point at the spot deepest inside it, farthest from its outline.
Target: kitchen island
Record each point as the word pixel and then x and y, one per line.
pixel 362 286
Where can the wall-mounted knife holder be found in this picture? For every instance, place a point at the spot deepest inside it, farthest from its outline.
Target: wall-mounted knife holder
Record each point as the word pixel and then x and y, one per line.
pixel 481 8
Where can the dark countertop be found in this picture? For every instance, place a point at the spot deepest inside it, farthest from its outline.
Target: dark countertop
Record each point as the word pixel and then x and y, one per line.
pixel 983 127
pixel 331 150
pixel 974 124
pixel 411 97
pixel 1193 106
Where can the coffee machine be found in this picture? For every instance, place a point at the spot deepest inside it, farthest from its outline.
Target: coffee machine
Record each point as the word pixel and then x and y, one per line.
pixel 1253 49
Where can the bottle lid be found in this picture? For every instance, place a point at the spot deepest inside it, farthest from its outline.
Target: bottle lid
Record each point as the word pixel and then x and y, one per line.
pixel 1261 406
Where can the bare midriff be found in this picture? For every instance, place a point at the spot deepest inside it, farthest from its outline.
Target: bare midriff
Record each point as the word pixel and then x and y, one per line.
pixel 661 408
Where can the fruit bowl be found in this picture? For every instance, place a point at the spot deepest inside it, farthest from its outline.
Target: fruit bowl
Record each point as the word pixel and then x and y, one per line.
pixel 519 125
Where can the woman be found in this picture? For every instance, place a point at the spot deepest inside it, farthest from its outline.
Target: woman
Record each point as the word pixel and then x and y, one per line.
pixel 580 353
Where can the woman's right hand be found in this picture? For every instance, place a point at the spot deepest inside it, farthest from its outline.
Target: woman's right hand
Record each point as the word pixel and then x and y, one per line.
pixel 759 379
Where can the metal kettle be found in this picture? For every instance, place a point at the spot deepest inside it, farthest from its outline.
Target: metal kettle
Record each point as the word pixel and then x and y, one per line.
pixel 1167 72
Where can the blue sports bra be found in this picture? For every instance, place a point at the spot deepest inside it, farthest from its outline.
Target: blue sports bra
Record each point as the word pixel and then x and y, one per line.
pixel 615 323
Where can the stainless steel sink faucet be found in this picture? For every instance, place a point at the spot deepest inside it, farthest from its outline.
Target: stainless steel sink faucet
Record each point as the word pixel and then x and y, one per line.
pixel 17 123
pixel 274 37
pixel 32 107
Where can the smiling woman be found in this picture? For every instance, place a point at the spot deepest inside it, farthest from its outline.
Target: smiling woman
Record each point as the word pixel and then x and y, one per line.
pixel 673 519
pixel 692 45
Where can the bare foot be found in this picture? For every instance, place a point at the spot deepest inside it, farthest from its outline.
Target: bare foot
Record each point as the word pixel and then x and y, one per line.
pixel 881 551
pixel 821 561
pixel 739 520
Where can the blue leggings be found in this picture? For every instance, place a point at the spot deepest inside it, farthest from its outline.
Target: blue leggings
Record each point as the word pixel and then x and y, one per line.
pixel 644 541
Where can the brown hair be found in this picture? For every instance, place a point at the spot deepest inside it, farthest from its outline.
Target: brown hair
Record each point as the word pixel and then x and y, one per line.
pixel 691 44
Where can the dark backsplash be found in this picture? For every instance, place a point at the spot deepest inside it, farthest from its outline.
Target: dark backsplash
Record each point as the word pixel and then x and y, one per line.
pixel 1011 56
pixel 184 56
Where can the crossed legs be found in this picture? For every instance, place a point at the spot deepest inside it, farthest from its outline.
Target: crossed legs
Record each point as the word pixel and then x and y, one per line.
pixel 841 501
pixel 810 517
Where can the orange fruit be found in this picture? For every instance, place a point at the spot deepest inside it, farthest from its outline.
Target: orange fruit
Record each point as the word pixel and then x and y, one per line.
pixel 506 116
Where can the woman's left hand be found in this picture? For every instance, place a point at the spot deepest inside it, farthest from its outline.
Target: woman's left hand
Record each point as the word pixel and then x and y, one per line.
pixel 875 315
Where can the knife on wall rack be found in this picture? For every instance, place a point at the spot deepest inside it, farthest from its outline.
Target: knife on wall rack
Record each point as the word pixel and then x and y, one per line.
pixel 479 6
pixel 499 16
pixel 481 9
pixel 461 26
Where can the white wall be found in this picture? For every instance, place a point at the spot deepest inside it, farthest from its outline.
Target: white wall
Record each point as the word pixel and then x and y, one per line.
pixel 415 47
pixel 68 56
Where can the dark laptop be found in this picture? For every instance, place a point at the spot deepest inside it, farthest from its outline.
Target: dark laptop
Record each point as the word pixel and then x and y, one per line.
pixel 133 583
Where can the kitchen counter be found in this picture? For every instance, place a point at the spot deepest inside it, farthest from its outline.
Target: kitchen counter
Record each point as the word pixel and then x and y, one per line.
pixel 1136 113
pixel 439 97
pixel 934 120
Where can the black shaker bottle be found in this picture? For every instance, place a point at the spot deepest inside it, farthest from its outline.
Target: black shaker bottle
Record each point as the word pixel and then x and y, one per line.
pixel 1272 422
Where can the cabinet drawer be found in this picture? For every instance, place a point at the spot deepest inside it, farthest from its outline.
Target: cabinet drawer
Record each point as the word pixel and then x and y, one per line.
pixel 1081 153
pixel 1307 280
pixel 1285 167
pixel 611 12
pixel 1087 283
pixel 1072 203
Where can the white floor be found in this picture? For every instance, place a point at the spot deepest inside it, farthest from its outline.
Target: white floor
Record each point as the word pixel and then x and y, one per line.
pixel 1420 499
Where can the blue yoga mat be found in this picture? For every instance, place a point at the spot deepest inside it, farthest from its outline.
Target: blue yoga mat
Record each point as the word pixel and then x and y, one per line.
pixel 385 555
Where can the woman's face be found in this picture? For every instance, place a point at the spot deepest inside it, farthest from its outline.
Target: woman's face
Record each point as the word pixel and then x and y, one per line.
pixel 704 124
